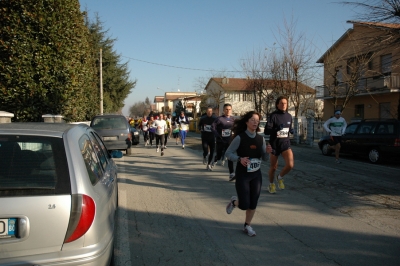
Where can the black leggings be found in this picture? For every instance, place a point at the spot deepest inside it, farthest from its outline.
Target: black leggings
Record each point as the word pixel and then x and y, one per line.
pixel 151 137
pixel 208 143
pixel 221 148
pixel 160 138
pixel 248 189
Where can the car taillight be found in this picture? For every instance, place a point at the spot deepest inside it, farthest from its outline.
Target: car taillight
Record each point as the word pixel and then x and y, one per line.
pixel 397 142
pixel 83 210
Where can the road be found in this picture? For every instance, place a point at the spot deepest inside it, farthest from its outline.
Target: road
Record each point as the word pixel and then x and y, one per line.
pixel 172 212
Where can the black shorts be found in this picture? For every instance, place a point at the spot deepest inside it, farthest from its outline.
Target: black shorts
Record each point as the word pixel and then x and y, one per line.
pixel 280 146
pixel 335 140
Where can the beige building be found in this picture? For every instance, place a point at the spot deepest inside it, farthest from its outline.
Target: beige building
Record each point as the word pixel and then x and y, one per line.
pixel 361 73
pixel 240 95
pixel 168 102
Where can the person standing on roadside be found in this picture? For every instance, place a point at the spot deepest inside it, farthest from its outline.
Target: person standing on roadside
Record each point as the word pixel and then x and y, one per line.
pixel 221 128
pixel 250 149
pixel 278 127
pixel 144 127
pixel 207 137
pixel 161 126
pixel 183 123
pixel 336 126
pixel 152 130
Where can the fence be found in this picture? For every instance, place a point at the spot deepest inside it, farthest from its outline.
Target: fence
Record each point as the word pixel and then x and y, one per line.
pixel 310 132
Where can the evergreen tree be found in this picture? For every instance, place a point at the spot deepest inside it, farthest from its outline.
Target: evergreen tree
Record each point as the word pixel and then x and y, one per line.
pixel 116 81
pixel 46 66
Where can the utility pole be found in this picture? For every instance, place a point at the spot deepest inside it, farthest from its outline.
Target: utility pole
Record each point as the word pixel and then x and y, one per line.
pixel 101 82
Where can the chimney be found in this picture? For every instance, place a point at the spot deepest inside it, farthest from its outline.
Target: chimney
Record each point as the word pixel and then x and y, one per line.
pixel 49 118
pixel 5 117
pixel 225 80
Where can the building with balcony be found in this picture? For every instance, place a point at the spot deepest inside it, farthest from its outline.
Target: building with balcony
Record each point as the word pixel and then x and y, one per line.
pixel 362 73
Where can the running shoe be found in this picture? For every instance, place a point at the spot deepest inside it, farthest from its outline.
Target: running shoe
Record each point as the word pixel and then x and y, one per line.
pixel 232 176
pixel 271 188
pixel 214 164
pixel 209 167
pixel 158 149
pixel 205 160
pixel 177 143
pixel 338 162
pixel 165 147
pixel 281 185
pixel 223 162
pixel 147 143
pixel 183 146
pixel 162 153
pixel 230 206
pixel 249 230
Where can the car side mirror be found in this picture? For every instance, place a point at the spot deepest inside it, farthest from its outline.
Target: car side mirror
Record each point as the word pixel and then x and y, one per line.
pixel 116 154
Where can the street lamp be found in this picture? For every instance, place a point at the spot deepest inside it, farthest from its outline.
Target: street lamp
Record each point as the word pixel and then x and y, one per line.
pixel 165 95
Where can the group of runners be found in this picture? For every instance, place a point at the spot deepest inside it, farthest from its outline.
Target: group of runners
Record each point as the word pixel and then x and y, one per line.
pixel 161 128
pixel 238 141
pixel 235 140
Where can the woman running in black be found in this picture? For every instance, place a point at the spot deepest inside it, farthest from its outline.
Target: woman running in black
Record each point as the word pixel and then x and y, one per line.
pixel 250 148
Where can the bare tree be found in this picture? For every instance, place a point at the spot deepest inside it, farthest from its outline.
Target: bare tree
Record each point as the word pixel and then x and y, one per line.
pixel 293 65
pixel 378 11
pixel 256 67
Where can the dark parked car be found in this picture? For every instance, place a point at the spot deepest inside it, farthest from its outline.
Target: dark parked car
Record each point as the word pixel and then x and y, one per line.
pixel 376 139
pixel 135 136
pixel 58 195
pixel 114 130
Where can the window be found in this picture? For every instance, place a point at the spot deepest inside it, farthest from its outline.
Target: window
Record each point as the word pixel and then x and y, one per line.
pixel 366 128
pixel 92 163
pixel 33 165
pixel 247 97
pixel 359 111
pixel 384 110
pixel 385 129
pixel 351 128
pixel 386 64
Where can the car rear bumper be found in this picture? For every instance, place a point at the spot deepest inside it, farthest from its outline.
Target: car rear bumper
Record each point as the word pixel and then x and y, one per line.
pixel 117 145
pixel 95 255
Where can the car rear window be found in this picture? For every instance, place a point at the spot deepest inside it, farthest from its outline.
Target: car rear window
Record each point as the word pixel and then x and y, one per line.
pixel 385 129
pixel 109 123
pixel 33 165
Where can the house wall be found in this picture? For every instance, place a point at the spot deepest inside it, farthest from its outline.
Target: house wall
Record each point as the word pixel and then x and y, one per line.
pixel 374 91
pixel 371 104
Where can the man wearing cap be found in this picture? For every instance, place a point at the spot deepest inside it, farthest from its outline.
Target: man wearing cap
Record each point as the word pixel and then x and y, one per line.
pixel 336 127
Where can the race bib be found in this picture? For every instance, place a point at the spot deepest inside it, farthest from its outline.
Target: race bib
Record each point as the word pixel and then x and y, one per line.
pixel 183 127
pixel 254 165
pixel 207 128
pixel 144 128
pixel 226 133
pixel 283 133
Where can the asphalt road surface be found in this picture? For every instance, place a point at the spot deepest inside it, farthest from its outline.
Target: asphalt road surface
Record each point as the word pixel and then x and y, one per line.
pixel 172 212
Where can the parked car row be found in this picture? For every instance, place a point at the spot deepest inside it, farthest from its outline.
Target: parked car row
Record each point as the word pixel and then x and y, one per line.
pixel 58 195
pixel 376 139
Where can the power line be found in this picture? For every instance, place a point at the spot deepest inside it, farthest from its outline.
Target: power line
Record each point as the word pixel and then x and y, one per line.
pixel 186 68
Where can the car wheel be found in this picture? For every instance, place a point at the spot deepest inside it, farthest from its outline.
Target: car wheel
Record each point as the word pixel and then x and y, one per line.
pixel 326 150
pixel 128 151
pixel 375 156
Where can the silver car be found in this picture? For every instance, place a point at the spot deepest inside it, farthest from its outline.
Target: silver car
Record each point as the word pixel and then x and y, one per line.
pixel 58 195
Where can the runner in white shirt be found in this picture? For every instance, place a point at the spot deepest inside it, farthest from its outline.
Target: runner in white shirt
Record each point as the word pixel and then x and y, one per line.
pixel 336 126
pixel 161 127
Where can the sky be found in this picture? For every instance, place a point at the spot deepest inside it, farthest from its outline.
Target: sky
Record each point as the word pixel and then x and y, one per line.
pixel 170 45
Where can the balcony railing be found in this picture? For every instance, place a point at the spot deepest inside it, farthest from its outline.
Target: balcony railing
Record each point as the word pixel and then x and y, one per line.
pixel 365 85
